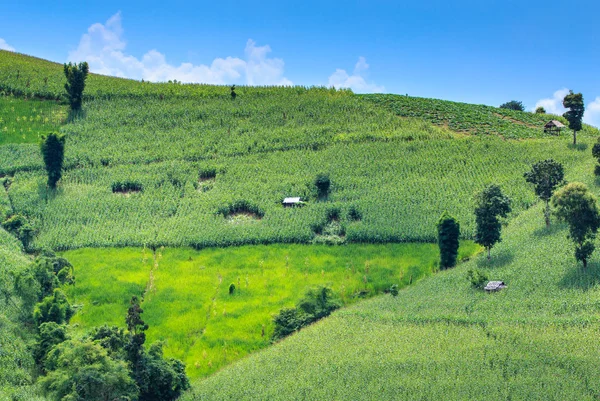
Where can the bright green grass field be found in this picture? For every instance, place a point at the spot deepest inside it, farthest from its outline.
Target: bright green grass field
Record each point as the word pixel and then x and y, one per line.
pixel 442 340
pixel 25 121
pixel 186 298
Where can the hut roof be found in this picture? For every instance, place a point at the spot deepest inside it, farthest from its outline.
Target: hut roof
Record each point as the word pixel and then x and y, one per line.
pixel 554 123
pixel 495 286
pixel 292 200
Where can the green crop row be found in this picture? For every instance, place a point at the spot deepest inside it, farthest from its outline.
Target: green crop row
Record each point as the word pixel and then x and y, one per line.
pixel 399 188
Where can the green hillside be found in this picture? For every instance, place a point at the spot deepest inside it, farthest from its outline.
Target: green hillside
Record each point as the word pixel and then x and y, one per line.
pixel 173 191
pixel 190 151
pixel 441 339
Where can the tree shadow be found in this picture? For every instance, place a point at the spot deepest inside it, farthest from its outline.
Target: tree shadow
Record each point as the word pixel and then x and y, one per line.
pixel 583 279
pixel 75 115
pixel 580 146
pixel 47 193
pixel 544 231
pixel 499 260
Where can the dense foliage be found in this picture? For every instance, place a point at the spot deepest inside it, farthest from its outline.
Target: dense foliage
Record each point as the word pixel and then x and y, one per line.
pixel 578 207
pixel 53 153
pixel 574 102
pixel 491 205
pixel 546 176
pixel 513 105
pixel 316 304
pixel 76 75
pixel 448 234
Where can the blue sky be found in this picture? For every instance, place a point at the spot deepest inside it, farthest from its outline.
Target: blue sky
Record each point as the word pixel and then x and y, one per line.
pixel 482 51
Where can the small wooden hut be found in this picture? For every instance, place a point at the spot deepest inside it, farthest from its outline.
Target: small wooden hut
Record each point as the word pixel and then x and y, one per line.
pixel 494 286
pixel 553 127
pixel 289 202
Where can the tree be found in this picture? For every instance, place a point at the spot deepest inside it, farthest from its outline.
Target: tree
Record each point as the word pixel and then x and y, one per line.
pixel 576 205
pixel 546 176
pixel 513 105
pixel 54 308
pixel 83 370
pixel 596 154
pixel 162 379
pixel 50 335
pixel 323 183
pixel 540 110
pixel 574 102
pixel 158 379
pixel 76 75
pixel 448 233
pixel 137 328
pixel 53 152
pixel 491 204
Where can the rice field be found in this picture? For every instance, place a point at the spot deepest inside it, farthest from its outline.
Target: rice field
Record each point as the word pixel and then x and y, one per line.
pixel 185 292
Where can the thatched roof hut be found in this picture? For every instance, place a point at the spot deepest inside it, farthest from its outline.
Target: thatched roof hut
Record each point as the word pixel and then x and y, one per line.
pixel 553 126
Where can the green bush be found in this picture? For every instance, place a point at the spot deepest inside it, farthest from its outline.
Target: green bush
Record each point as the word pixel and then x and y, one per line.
pixel 477 278
pixel 316 304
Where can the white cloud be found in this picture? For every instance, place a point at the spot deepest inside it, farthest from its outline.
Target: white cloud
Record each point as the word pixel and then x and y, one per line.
pixel 357 82
pixel 554 104
pixel 6 46
pixel 103 47
pixel 592 113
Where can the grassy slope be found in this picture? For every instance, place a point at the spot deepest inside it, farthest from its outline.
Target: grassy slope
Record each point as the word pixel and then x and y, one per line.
pixel 268 144
pixel 25 121
pixel 186 300
pixel 440 339
pixel 469 118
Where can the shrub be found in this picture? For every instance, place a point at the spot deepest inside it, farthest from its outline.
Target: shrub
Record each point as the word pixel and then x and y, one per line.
pixel 354 214
pixel 207 173
pixel 477 278
pixel 394 290
pixel 231 288
pixel 316 304
pixel 513 105
pixel 126 186
pixel 240 206
pixel 323 184
pixel 54 308
pixel 540 110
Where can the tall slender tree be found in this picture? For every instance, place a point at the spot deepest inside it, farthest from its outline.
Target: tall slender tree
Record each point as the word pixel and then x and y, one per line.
pixel 491 204
pixel 574 102
pixel 76 75
pixel 53 152
pixel 448 233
